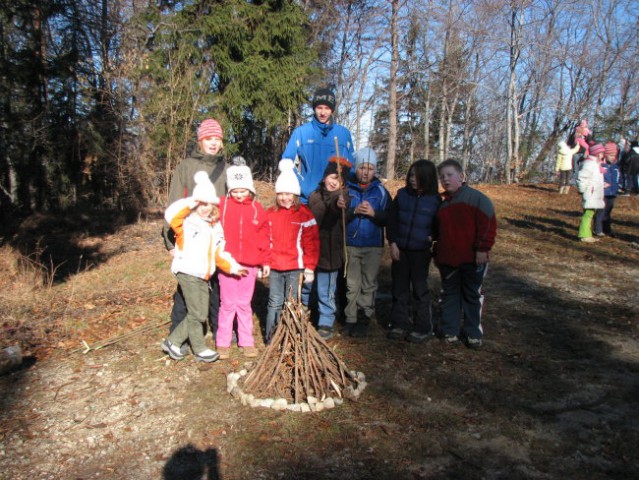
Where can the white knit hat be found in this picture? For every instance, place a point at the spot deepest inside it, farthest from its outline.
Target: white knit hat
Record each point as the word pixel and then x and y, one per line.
pixel 239 176
pixel 287 182
pixel 204 190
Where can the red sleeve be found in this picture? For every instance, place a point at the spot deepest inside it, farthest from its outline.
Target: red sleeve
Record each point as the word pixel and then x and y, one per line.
pixel 310 239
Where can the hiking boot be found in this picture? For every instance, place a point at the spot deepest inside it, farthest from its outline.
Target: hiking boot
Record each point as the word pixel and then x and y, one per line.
pixel 589 239
pixel 347 328
pixel 224 352
pixel 416 337
pixel 207 356
pixel 325 332
pixel 171 350
pixel 396 334
pixel 451 339
pixel 473 343
pixel 250 352
pixel 360 329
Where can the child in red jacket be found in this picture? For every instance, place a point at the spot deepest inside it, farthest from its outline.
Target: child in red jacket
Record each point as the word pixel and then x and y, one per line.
pixel 247 238
pixel 294 243
pixel 466 229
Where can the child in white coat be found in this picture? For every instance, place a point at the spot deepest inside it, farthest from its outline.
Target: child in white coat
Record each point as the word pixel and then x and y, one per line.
pixel 199 250
pixel 590 183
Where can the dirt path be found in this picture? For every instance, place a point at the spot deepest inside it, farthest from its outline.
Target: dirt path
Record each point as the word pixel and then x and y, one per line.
pixel 554 394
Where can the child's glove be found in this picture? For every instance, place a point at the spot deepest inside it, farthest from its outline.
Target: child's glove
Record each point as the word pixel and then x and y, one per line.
pixel 309 275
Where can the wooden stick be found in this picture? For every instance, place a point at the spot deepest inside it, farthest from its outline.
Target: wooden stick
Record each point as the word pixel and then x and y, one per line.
pixel 339 174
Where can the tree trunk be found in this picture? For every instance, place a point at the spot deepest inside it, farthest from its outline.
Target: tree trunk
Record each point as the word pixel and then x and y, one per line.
pixel 392 98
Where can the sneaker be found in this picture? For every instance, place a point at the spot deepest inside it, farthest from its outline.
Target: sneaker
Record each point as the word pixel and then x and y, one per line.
pixel 207 355
pixel 451 339
pixel 600 234
pixel 325 332
pixel 473 342
pixel 250 352
pixel 416 337
pixel 171 350
pixel 589 239
pixel 360 330
pixel 224 352
pixel 396 334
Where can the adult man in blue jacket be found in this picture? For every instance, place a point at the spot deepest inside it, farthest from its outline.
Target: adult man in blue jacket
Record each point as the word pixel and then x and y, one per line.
pixel 312 144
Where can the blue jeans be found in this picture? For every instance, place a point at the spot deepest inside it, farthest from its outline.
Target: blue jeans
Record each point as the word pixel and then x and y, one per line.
pixel 461 294
pixel 323 292
pixel 280 284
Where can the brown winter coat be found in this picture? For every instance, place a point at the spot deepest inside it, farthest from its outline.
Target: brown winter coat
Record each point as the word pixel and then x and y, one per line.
pixel 328 216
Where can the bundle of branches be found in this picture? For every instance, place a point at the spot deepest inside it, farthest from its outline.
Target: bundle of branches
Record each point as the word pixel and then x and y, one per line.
pixel 298 363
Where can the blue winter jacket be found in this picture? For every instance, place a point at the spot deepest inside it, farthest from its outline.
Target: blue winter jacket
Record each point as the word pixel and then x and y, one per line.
pixel 612 175
pixel 362 230
pixel 410 220
pixel 311 145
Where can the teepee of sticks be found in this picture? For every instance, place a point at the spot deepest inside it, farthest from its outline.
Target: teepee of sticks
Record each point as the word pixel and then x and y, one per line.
pixel 298 364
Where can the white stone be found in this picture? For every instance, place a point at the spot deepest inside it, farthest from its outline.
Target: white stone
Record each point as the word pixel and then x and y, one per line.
pixel 243 372
pixel 329 403
pixel 266 402
pixel 319 406
pixel 305 407
pixel 311 400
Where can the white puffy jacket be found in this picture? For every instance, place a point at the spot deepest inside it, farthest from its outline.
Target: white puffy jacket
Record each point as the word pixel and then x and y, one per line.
pixel 590 183
pixel 199 245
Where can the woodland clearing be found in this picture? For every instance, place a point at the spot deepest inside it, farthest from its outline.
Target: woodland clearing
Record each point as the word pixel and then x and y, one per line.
pixel 553 394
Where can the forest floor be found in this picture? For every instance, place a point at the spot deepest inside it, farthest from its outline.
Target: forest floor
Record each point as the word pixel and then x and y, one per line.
pixel 553 394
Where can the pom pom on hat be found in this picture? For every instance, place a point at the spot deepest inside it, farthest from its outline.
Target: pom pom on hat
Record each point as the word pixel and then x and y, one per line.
pixel 239 176
pixel 209 128
pixel 324 96
pixel 204 190
pixel 287 181
pixel 596 149
pixel 365 155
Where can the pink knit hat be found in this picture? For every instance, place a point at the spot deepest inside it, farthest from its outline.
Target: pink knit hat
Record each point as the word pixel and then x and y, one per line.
pixel 209 128
pixel 596 149
pixel 611 148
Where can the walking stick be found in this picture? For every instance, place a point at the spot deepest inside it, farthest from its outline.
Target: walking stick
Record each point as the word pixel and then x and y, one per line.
pixel 339 174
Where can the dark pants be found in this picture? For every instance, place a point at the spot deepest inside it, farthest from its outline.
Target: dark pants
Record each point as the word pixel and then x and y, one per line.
pixel 461 293
pixel 410 292
pixel 603 219
pixel 179 310
pixel 564 178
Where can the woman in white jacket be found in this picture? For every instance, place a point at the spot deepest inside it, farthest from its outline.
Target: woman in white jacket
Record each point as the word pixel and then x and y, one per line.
pixel 564 165
pixel 590 183
pixel 199 250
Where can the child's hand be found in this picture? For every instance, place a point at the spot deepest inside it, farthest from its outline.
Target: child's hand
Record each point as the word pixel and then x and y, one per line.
pixel 365 208
pixel 481 258
pixel 172 252
pixel 266 270
pixel 242 272
pixel 394 251
pixel 341 201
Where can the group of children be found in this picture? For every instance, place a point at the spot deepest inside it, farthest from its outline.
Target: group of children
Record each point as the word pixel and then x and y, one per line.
pixel 598 180
pixel 343 226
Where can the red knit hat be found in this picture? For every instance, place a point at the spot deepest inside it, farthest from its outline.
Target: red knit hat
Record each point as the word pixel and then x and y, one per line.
pixel 610 148
pixel 209 128
pixel 596 149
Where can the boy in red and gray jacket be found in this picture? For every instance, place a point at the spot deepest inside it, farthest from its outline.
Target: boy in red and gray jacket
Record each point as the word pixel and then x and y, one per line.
pixel 466 229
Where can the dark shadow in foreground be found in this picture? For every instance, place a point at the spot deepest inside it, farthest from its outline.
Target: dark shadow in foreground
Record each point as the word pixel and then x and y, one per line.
pixel 190 463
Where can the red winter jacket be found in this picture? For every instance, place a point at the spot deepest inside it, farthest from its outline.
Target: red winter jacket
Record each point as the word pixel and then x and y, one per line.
pixel 246 231
pixel 294 238
pixel 465 224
